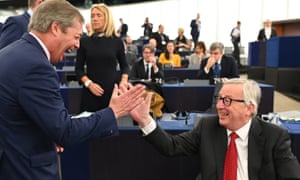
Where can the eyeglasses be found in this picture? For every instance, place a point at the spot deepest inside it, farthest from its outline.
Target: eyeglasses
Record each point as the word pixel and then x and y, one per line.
pixel 227 100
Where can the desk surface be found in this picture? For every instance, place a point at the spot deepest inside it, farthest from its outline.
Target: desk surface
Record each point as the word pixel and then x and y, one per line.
pixel 124 157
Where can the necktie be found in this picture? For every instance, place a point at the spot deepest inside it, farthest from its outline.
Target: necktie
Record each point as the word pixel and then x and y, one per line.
pixel 231 159
pixel 217 70
pixel 147 71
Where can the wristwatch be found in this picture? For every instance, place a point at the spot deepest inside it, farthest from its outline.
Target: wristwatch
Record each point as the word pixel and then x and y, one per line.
pixel 87 83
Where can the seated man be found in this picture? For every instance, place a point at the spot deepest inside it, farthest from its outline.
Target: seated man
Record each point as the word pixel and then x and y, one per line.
pixel 153 43
pixel 218 66
pixel 261 150
pixel 147 68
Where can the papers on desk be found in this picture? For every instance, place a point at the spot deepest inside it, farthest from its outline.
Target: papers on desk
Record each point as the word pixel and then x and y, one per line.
pixel 290 116
pixel 83 114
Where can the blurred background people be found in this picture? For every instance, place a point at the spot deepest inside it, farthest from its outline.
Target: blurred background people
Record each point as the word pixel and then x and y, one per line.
pixel 15 26
pixel 147 68
pixel 148 26
pixel 132 48
pixel 181 42
pixel 196 57
pixel 153 43
pixel 218 66
pixel 123 29
pixel 236 40
pixel 169 58
pixel 131 51
pixel 88 29
pixel 97 59
pixel 195 28
pixel 267 32
pixel 161 38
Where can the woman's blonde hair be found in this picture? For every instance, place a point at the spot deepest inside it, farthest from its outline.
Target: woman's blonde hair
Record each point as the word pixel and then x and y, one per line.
pixel 109 26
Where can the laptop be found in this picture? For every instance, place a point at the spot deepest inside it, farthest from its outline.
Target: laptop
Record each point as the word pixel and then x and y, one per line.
pixel 193 82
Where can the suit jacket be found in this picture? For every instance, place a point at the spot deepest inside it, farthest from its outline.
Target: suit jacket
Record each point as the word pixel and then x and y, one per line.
pixel 124 30
pixel 161 45
pixel 138 71
pixel 33 116
pixel 269 151
pixel 194 28
pixel 229 69
pixel 13 29
pixel 262 36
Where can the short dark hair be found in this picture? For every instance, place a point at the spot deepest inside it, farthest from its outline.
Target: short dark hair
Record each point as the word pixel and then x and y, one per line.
pixel 148 46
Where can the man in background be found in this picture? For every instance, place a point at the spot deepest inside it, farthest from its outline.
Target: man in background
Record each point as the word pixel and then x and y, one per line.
pixel 15 26
pixel 236 40
pixel 147 68
pixel 218 66
pixel 267 32
pixel 123 29
pixel 161 38
pixel 195 28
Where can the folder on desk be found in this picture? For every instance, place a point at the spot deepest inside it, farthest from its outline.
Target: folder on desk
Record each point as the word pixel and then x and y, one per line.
pixel 193 82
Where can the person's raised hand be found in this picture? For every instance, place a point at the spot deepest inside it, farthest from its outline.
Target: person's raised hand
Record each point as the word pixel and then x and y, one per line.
pixel 125 100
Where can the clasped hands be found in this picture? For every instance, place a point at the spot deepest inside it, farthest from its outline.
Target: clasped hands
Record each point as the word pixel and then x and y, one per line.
pixel 133 101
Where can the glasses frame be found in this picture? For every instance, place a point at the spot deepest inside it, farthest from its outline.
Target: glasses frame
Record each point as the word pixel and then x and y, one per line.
pixel 228 100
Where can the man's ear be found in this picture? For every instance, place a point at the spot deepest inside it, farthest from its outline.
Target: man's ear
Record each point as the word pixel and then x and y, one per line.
pixel 250 109
pixel 55 28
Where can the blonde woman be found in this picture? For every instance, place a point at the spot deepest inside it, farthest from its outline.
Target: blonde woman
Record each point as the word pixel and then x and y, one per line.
pixel 100 52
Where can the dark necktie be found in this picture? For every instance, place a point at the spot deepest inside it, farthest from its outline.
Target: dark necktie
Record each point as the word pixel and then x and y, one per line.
pixel 147 71
pixel 231 159
pixel 217 70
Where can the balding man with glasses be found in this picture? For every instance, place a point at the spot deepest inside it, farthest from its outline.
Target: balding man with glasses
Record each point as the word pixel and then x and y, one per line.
pixel 235 144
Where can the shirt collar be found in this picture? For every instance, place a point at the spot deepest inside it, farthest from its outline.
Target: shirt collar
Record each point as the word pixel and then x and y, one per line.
pixel 42 44
pixel 243 132
pixel 29 11
pixel 145 63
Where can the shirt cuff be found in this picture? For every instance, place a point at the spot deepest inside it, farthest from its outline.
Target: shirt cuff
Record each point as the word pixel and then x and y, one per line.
pixel 149 128
pixel 206 70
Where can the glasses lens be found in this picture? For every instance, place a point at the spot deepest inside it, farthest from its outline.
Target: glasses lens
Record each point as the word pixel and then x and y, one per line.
pixel 227 101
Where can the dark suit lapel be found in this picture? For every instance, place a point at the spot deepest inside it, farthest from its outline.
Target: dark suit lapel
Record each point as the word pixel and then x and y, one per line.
pixel 220 149
pixel 142 69
pixel 256 144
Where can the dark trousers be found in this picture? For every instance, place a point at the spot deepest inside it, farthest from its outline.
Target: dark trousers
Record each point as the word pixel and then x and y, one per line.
pixel 236 52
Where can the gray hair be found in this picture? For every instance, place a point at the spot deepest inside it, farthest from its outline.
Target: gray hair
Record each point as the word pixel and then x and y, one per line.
pixel 251 91
pixel 60 11
pixel 217 45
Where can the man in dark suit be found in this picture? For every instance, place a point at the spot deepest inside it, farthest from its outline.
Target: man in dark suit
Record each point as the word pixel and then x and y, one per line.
pixel 262 150
pixel 123 29
pixel 195 28
pixel 161 38
pixel 33 117
pixel 267 32
pixel 139 68
pixel 218 66
pixel 15 26
pixel 236 40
